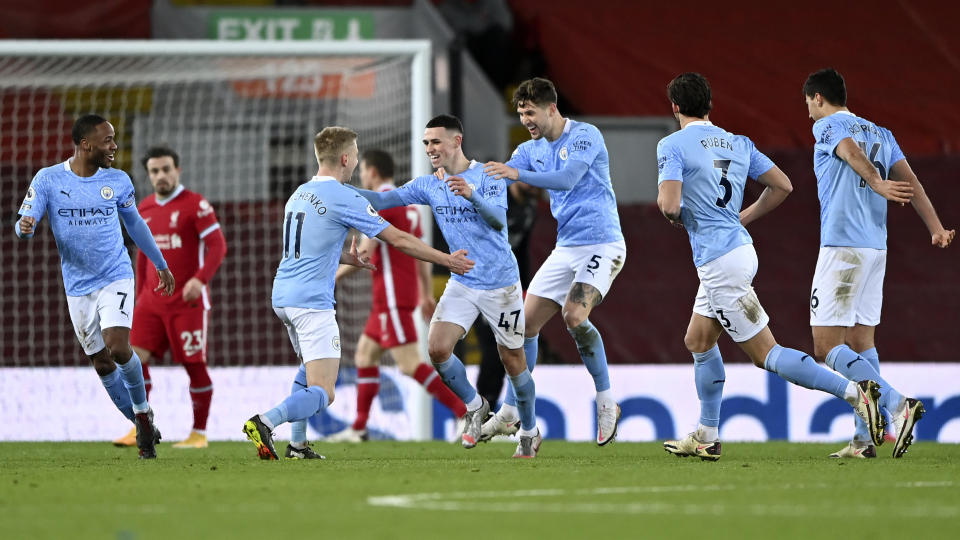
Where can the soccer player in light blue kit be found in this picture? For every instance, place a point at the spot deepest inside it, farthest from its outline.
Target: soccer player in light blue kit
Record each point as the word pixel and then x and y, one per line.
pixel 85 199
pixel 702 173
pixel 470 208
pixel 317 218
pixel 859 166
pixel 570 160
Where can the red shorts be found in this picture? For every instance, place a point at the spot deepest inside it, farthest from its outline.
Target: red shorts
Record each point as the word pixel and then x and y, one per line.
pixel 391 327
pixel 158 328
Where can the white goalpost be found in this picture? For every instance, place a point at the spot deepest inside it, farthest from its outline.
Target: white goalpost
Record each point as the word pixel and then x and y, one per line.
pixel 242 116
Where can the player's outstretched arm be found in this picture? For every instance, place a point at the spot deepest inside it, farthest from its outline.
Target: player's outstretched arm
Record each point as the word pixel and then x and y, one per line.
pixel 494 215
pixel 562 180
pixel 939 236
pixel 895 191
pixel 381 200
pixel 669 197
pixel 457 262
pixel 778 187
pixel 140 233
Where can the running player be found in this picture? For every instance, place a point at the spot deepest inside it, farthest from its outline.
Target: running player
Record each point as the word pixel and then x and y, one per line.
pixel 570 160
pixel 702 173
pixel 470 208
pixel 859 165
pixel 85 199
pixel 317 218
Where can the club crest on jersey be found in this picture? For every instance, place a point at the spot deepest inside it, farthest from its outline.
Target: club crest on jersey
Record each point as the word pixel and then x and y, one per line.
pixel 31 194
pixel 106 192
pixel 174 216
pixel 563 153
pixel 336 343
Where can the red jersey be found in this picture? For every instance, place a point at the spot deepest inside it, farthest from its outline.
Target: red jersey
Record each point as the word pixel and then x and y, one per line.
pixel 395 281
pixel 186 230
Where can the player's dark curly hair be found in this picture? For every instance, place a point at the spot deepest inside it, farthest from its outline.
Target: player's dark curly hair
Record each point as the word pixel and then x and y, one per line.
pixel 691 93
pixel 447 121
pixel 379 160
pixel 85 125
pixel 828 83
pixel 160 150
pixel 537 91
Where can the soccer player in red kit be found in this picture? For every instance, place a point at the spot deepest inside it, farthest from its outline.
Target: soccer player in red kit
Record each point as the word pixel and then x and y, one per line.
pixel 400 284
pixel 185 228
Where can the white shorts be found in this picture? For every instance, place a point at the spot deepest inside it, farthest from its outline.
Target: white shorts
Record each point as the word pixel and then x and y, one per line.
pixel 848 287
pixel 596 265
pixel 314 333
pixel 108 307
pixel 726 293
pixel 502 308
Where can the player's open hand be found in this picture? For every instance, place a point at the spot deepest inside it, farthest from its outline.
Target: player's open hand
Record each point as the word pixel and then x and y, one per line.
pixel 440 173
pixel 500 170
pixel 943 238
pixel 458 263
pixel 459 186
pixel 27 225
pixel 360 258
pixel 192 289
pixel 167 283
pixel 895 191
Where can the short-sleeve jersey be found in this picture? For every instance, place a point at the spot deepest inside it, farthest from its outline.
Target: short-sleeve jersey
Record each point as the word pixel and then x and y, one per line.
pixel 395 281
pixel 463 227
pixel 316 220
pixel 84 217
pixel 587 213
pixel 713 165
pixel 851 214
pixel 179 224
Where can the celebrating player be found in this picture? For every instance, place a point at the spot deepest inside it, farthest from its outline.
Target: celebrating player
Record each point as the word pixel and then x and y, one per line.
pixel 858 165
pixel 470 207
pixel 400 283
pixel 188 234
pixel 317 218
pixel 84 197
pixel 702 173
pixel 570 160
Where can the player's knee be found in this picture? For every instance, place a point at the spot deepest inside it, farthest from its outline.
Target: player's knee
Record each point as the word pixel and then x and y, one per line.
pixel 697 343
pixel 103 365
pixel 438 354
pixel 574 317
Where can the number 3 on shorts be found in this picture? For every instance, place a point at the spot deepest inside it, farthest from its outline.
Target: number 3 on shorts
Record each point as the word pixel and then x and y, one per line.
pixel 505 321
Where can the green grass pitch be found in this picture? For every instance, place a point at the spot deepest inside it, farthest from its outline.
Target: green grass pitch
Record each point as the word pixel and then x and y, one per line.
pixel 389 490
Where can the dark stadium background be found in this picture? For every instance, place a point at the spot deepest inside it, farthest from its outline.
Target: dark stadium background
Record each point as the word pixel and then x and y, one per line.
pixel 902 64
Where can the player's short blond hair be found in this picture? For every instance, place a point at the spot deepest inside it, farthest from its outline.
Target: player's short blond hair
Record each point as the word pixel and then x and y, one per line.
pixel 332 142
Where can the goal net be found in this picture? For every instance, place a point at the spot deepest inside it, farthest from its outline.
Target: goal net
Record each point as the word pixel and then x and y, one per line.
pixel 242 117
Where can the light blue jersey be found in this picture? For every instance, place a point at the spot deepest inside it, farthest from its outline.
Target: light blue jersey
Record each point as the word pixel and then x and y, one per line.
pixel 464 228
pixel 84 217
pixel 316 220
pixel 587 213
pixel 713 165
pixel 851 214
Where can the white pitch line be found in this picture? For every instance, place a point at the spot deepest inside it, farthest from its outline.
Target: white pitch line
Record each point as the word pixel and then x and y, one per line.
pixel 463 500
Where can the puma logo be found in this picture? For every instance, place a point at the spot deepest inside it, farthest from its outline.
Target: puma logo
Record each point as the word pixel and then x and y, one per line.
pixel 65 193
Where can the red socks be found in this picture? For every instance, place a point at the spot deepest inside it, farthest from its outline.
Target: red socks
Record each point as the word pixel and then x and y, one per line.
pixel 201 393
pixel 430 379
pixel 368 385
